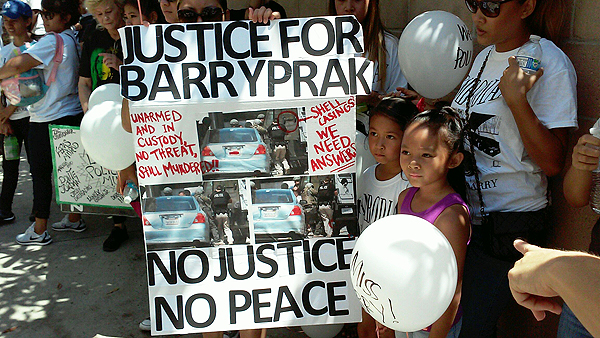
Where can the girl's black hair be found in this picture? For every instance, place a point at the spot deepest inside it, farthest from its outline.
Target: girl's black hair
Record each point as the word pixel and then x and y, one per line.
pixel 397 109
pixel 447 123
pixel 63 7
pixel 148 6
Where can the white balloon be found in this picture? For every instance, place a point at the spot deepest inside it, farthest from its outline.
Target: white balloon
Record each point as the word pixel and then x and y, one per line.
pixel 404 272
pixel 107 92
pixel 322 331
pixel 103 137
pixel 435 53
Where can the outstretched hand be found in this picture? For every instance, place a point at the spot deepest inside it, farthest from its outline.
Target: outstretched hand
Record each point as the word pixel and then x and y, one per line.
pixel 528 279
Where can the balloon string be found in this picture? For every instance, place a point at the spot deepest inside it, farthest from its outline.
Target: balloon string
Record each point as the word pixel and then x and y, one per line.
pixel 141 15
pixel 140 9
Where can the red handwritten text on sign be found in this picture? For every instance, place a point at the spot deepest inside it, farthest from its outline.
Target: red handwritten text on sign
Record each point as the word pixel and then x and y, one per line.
pixel 334 151
pixel 158 140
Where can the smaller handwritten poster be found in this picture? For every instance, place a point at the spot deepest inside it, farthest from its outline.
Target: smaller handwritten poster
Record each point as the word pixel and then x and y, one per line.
pixel 77 178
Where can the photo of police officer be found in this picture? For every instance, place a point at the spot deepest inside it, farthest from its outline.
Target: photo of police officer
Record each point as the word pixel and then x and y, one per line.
pixel 279 147
pixel 200 214
pixel 326 198
pixel 327 204
pixel 220 200
pixel 276 147
pixel 310 204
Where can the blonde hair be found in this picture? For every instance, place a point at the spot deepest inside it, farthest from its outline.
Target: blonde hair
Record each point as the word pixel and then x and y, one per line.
pixel 91 5
pixel 374 34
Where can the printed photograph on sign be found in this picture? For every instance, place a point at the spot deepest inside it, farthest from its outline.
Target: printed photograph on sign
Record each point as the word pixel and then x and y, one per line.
pixel 243 211
pixel 201 214
pixel 303 207
pixel 262 143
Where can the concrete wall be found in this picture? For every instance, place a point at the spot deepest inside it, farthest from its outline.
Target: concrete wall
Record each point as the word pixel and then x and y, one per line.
pixel 572 227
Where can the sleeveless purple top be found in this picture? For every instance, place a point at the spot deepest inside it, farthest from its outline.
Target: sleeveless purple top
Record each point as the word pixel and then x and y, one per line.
pixel 431 214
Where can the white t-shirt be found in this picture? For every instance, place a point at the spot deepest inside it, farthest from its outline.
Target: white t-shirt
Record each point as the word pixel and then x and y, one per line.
pixel 509 179
pixel 62 98
pixel 7 52
pixel 394 77
pixel 377 199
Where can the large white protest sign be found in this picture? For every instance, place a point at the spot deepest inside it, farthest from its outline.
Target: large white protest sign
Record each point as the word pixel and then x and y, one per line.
pixel 233 123
pixel 242 287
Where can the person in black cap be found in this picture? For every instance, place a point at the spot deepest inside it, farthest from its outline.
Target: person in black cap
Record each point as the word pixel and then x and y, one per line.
pixel 220 200
pixel 14 120
pixel 203 128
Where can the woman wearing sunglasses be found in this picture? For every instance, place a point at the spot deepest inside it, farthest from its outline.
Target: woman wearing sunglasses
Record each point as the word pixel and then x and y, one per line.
pixel 518 135
pixel 60 105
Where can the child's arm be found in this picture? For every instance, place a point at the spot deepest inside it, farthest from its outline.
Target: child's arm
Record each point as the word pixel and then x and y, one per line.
pixel 454 223
pixel 125 118
pixel 578 180
pixel 19 64
pixel 6 113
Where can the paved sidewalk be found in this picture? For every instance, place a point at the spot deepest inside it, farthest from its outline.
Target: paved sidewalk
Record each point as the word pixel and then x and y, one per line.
pixel 71 288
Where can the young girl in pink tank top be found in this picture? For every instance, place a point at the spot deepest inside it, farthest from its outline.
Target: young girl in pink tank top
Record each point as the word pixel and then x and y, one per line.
pixel 431 159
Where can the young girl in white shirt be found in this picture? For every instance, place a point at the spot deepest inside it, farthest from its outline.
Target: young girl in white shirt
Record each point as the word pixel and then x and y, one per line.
pixel 381 184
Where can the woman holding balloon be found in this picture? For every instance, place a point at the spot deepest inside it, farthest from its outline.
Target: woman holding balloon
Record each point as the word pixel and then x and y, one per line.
pixel 517 136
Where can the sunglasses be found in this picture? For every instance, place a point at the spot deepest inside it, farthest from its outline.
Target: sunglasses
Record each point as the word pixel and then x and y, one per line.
pixel 208 14
pixel 491 9
pixel 47 15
